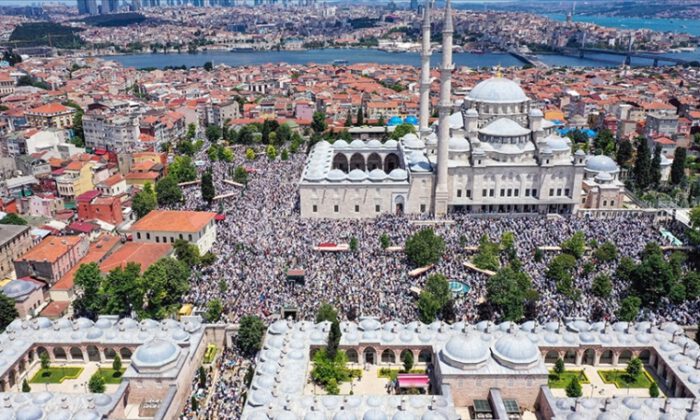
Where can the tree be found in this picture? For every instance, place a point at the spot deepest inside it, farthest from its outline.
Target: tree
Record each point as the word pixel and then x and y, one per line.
pixel 654 390
pixel 318 123
pixel 438 286
pixel 407 361
pixel 360 116
pixel 96 385
pixel 214 310
pixel 250 154
pixel 573 389
pixel 334 336
pixel 88 282
pixel 487 256
pixel 354 244
pixel 165 282
pixel 624 153
pixel 12 219
pixel 117 363
pixel 401 130
pixel 641 173
pixel 191 131
pixel 283 133
pixel 168 192
pixel 384 241
pixel 656 167
pixel 330 371
pixel 186 252
pixel 602 286
pixel 271 152
pixel 194 404
pixel 207 259
pixel 625 268
pixel 44 360
pixel 428 307
pixel 326 312
pixel 284 155
pixel 560 271
pixel 678 166
pixel 213 133
pixel 576 245
pixel 25 386
pixel 653 277
pixel 208 66
pixel 208 191
pixel 604 143
pixel 144 201
pixel 424 248
pixel 508 292
pixel 122 289
pixel 8 311
pixel 183 169
pixel 348 119
pixel 202 377
pixel 185 147
pixel 250 334
pixel 559 367
pixel 606 252
pixel 634 368
pixel 629 308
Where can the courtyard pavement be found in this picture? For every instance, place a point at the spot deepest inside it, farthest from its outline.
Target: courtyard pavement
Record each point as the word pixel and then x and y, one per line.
pixel 78 385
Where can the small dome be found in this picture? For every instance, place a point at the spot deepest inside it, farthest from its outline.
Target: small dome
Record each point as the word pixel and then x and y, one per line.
pixel 93 334
pixel 377 175
pixel 42 397
pixel 458 144
pixel 515 349
pixel 336 175
pixel 497 90
pixel 374 143
pixel 369 324
pixel 86 414
pixel 464 350
pixel 17 288
pixel 128 323
pixel 374 414
pixel 536 113
pixel 471 112
pixel 58 414
pixel 338 144
pixel 432 139
pixel 103 323
pixel 424 166
pixel 603 177
pixel 84 323
pixel 314 175
pixel 557 144
pixel 357 144
pixel 398 174
pixel 314 415
pixel 155 353
pixel 411 141
pixel 30 412
pixel 391 143
pixel 103 400
pixel 344 415
pixel 43 322
pixel 601 163
pixel 504 127
pixel 357 175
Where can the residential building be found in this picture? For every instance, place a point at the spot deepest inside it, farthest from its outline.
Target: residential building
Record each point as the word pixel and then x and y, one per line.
pixel 113 186
pixel 52 258
pixel 51 115
pixel 76 178
pixel 113 132
pixel 43 205
pixel 165 226
pixel 14 241
pixel 92 206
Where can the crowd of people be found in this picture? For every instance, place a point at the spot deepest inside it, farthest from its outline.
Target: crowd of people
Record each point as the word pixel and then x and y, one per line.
pixel 263 236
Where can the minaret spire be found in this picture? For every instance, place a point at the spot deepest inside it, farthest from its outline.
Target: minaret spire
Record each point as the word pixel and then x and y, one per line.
pixel 425 71
pixel 445 109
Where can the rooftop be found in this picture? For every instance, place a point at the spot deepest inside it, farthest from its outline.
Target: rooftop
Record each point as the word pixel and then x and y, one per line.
pixel 143 253
pixel 174 221
pixel 51 248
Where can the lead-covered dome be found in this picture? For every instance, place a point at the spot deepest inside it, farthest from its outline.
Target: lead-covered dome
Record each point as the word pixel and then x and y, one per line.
pixel 499 90
pixel 465 351
pixel 601 163
pixel 504 127
pixel 515 351
pixel 155 353
pixel 557 144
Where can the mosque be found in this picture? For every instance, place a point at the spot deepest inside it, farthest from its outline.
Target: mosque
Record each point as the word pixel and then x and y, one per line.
pixel 496 153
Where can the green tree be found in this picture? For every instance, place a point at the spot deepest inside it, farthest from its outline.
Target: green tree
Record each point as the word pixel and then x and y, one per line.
pixel 360 116
pixel 508 292
pixel 8 311
pixel 604 143
pixel 428 307
pixel 283 133
pixel 656 167
pixel 602 286
pixel 424 248
pixel 208 66
pixel 284 155
pixel 318 123
pixel 326 312
pixel 402 129
pixel 348 119
pixel 691 281
pixel 117 363
pixel 653 277
pixel 487 256
pixel 641 173
pixel 634 368
pixel 250 154
pixel 407 361
pixel 213 133
pixel 573 389
pixel 207 259
pixel 624 269
pixel 185 147
pixel 606 252
pixel 354 244
pixel 250 335
pixel 186 252
pixel 202 377
pixel 271 152
pixel 168 192
pixel 629 308
pixel 624 153
pixel 560 271
pixel 194 404
pixel 559 367
pixel 654 390
pixel 191 131
pixel 384 241
pixel 144 201
pixel 89 299
pixel 25 386
pixel 214 310
pixel 207 186
pixel 183 169
pixel 438 286
pixel 334 335
pixel 122 288
pixel 678 166
pixel 12 219
pixel 330 371
pixel 576 245
pixel 96 385
pixel 240 175
pixel 165 282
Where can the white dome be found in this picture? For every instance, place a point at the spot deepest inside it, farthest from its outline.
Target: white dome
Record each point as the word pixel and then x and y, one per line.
pixel 504 127
pixel 398 174
pixel 374 414
pixel 423 166
pixel 357 175
pixel 369 324
pixel 601 163
pixel 391 143
pixel 458 144
pixel 497 90
pixel 463 350
pixel 536 113
pixel 314 175
pixel 357 144
pixel 17 288
pixel 374 143
pixel 155 353
pixel 515 349
pixel 471 112
pixel 412 142
pixel 603 177
pixel 340 144
pixel 336 175
pixel 377 175
pixel 432 139
pixel 557 144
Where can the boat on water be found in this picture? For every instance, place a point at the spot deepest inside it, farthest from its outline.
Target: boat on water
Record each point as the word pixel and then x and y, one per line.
pixel 340 62
pixel 243 49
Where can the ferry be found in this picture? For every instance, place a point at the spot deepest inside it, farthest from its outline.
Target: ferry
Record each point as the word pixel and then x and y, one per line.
pixel 340 62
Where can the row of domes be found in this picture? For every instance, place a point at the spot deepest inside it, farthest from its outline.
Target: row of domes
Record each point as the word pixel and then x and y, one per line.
pixel 357 175
pixel 472 350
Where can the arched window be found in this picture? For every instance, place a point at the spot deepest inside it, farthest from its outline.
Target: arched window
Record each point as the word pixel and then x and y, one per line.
pixel 352 356
pixel 589 357
pixel 425 356
pixel 570 357
pixel 110 354
pixel 76 353
pixel 370 356
pixel 357 161
pixel 374 161
pixel 388 356
pixel 606 357
pixel 93 354
pixel 59 353
pixel 340 161
pixel 125 353
pixel 551 357
pixel 625 357
pixel 391 162
pixel 644 356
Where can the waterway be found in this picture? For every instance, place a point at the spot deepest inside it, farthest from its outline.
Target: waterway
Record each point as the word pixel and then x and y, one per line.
pixel 660 25
pixel 354 56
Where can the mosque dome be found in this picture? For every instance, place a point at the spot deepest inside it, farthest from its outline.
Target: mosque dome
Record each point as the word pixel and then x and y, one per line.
pixel 155 353
pixel 374 414
pixel 557 144
pixel 497 90
pixel 86 414
pixel 601 163
pixel 374 143
pixel 59 414
pixel 357 175
pixel 357 144
pixel 17 288
pixel 340 144
pixel 504 127
pixel 398 174
pixel 465 350
pixel 471 112
pixel 515 350
pixel 603 177
pixel 370 324
pixel 377 175
pixel 411 141
pixel 391 143
pixel 336 175
pixel 536 113
pixel 458 144
pixel 30 412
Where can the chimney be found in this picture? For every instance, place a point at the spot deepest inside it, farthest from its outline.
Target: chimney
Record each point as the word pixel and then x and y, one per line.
pixel 578 404
pixel 607 402
pixel 693 404
pixel 667 405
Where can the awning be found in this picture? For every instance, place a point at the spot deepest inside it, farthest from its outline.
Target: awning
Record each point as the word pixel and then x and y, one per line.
pixel 413 381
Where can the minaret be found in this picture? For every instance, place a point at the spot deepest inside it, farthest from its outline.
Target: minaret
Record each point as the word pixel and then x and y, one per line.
pixel 425 72
pixel 445 109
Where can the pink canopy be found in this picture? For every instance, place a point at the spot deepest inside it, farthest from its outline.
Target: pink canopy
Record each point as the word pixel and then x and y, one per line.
pixel 413 381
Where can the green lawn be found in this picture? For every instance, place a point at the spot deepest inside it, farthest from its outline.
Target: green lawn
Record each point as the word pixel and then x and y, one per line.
pixel 394 373
pixel 111 376
pixel 619 378
pixel 561 381
pixel 55 375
